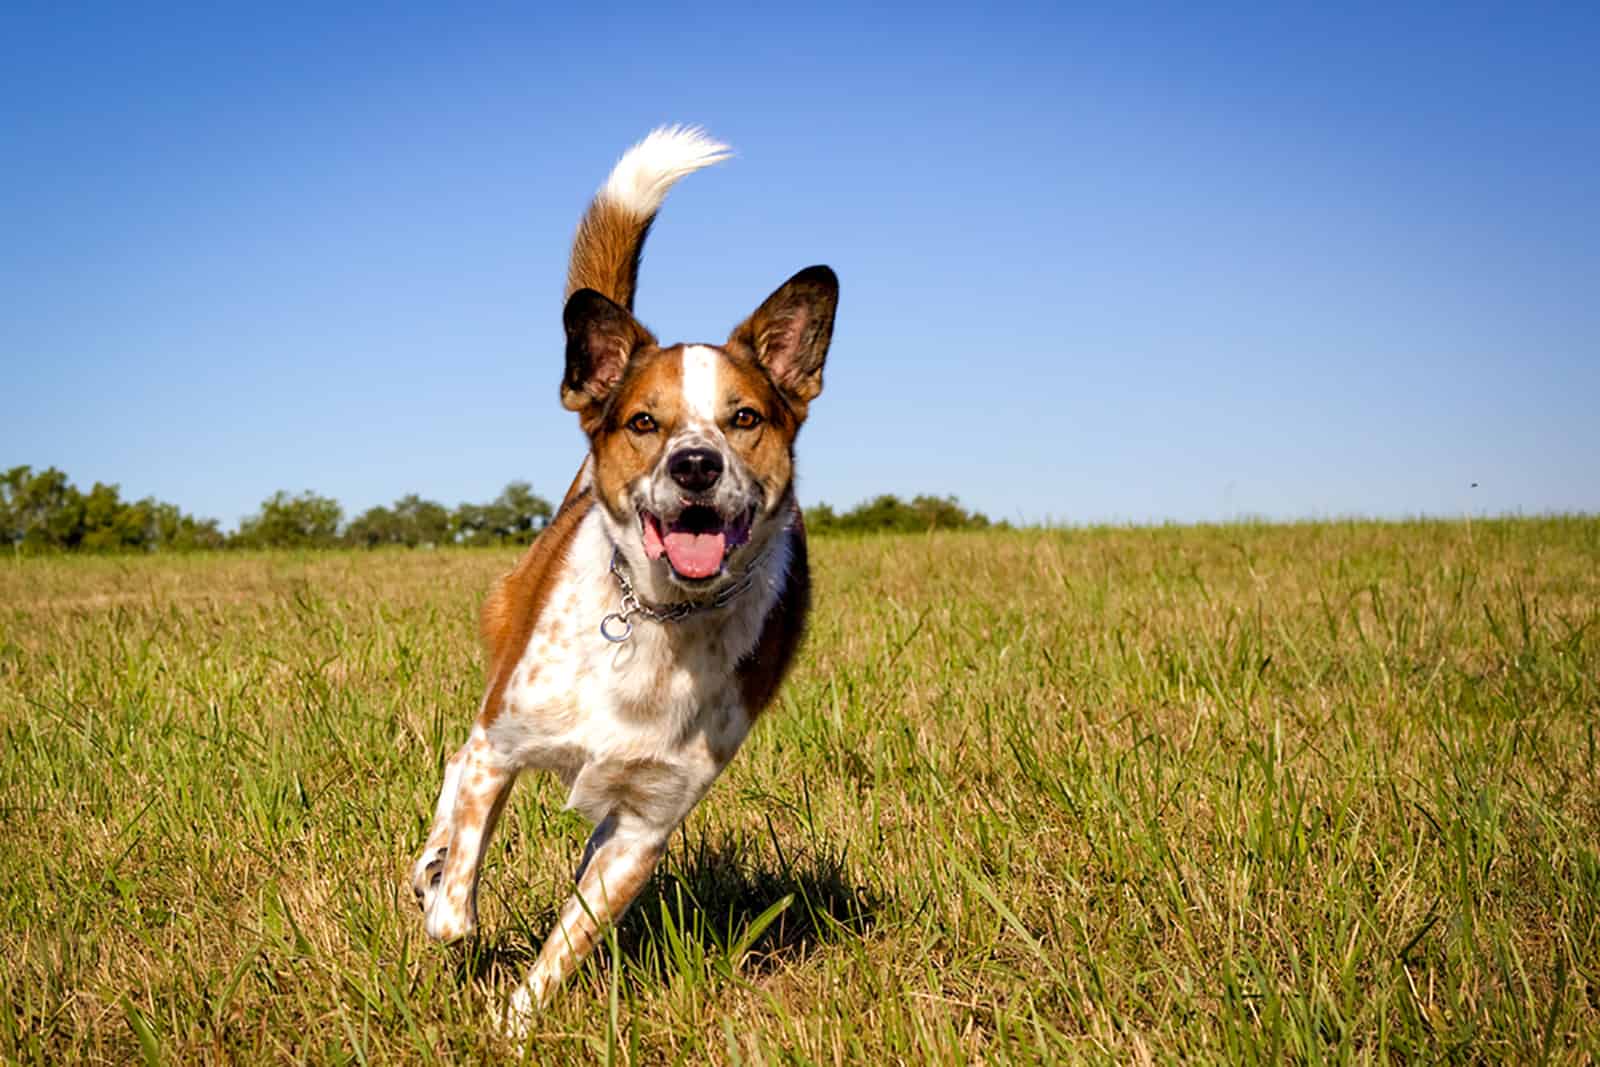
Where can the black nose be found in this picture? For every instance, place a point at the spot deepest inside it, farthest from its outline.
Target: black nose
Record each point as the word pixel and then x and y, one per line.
pixel 696 469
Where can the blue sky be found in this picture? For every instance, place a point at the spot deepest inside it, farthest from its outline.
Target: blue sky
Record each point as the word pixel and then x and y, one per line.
pixel 1119 263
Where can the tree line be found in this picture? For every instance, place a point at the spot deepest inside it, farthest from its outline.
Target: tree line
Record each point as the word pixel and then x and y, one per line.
pixel 889 514
pixel 42 511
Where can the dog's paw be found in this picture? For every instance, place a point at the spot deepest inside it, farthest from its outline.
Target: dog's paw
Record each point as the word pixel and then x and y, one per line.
pixel 448 920
pixel 514 1019
pixel 425 876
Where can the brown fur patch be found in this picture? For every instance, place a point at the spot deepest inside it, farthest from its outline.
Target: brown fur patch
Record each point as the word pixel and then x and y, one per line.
pixel 516 601
pixel 768 449
pixel 653 383
pixel 575 490
pixel 605 252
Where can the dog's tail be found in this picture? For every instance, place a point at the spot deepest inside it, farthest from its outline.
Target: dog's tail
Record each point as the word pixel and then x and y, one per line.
pixel 605 253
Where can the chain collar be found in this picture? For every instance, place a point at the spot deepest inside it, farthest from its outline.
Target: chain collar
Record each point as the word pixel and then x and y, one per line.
pixel 617 627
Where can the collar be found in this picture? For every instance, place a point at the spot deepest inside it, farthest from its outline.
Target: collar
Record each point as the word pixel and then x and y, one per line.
pixel 617 626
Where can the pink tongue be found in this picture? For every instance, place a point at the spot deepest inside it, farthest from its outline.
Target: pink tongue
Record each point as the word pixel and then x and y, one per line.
pixel 652 538
pixel 696 555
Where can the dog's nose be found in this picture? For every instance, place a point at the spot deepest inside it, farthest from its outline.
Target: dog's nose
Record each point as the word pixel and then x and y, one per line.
pixel 696 469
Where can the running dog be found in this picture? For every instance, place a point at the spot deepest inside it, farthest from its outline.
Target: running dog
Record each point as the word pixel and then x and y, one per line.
pixel 637 641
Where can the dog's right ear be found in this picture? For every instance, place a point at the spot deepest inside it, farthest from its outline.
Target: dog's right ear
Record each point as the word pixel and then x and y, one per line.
pixel 601 337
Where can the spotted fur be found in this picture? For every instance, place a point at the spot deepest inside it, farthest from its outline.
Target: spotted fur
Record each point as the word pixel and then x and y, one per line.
pixel 639 730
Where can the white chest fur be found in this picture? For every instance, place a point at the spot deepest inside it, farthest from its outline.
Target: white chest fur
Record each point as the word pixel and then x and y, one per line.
pixel 647 723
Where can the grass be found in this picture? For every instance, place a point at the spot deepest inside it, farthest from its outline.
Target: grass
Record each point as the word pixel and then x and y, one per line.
pixel 1318 792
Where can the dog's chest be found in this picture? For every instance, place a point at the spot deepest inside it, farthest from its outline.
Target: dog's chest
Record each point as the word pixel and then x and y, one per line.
pixel 670 693
pixel 662 678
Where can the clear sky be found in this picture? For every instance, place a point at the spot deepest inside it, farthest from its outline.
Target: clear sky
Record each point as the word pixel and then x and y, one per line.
pixel 1116 263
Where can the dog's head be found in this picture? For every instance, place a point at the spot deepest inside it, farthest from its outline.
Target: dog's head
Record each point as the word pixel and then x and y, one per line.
pixel 693 445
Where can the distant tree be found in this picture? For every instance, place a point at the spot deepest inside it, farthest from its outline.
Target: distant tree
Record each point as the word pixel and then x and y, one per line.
pixel 885 513
pixel 373 527
pixel 521 513
pixel 13 525
pixel 169 528
pixel 422 522
pixel 889 514
pixel 412 521
pixel 40 511
pixel 284 521
pixel 43 511
pixel 109 524
pixel 514 517
pixel 944 513
pixel 470 525
pixel 820 519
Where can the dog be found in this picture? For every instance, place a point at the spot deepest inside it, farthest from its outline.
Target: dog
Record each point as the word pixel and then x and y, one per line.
pixel 638 640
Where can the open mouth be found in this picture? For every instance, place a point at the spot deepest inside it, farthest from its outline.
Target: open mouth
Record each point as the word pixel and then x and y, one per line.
pixel 697 542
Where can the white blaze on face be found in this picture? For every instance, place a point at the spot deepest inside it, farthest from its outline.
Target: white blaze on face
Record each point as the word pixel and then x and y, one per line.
pixel 700 383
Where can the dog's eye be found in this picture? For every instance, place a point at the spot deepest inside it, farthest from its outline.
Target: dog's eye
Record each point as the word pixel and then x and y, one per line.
pixel 642 423
pixel 746 419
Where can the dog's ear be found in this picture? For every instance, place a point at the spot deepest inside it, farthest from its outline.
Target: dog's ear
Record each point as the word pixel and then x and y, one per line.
pixel 601 337
pixel 790 333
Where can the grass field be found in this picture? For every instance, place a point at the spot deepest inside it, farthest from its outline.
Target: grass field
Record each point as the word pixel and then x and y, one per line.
pixel 1242 793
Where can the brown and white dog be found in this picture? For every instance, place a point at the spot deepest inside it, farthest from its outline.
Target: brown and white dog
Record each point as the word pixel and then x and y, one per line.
pixel 645 630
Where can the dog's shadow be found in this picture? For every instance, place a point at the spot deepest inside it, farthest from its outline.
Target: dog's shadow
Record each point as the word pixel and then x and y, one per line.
pixel 712 905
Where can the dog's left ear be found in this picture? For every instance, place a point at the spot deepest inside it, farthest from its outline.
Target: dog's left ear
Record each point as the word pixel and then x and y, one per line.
pixel 790 333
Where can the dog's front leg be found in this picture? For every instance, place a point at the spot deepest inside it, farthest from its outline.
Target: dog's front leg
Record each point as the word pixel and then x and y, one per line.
pixel 429 867
pixel 482 786
pixel 617 864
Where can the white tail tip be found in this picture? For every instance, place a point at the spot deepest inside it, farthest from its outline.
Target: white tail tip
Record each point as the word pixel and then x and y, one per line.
pixel 641 178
